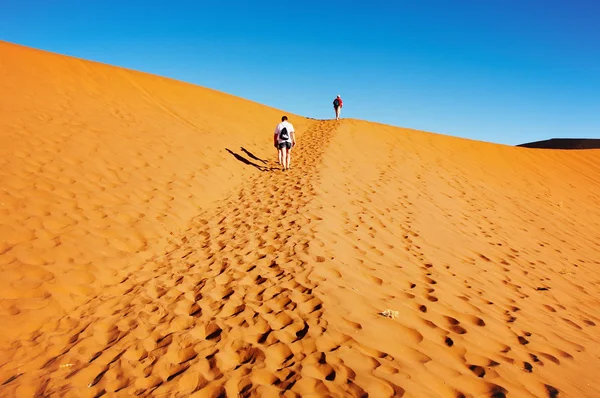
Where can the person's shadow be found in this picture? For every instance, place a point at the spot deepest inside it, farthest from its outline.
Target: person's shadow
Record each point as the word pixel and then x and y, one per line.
pixel 252 155
pixel 246 161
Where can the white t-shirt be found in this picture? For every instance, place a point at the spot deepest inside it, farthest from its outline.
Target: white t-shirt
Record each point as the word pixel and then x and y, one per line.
pixel 290 130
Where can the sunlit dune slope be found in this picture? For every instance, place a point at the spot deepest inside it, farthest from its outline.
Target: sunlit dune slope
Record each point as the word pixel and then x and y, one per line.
pixel 490 254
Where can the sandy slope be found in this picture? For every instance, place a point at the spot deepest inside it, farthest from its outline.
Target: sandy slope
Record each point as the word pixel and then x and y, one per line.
pixel 139 256
pixel 98 166
pixel 462 238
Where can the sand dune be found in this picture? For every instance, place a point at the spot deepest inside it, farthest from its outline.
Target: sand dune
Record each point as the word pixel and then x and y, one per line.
pixel 565 143
pixel 100 166
pixel 150 246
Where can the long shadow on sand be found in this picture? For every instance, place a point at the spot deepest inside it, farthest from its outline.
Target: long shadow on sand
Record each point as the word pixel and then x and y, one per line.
pixel 251 155
pixel 246 161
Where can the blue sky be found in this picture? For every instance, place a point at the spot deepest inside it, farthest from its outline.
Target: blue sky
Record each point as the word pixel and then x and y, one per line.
pixel 509 71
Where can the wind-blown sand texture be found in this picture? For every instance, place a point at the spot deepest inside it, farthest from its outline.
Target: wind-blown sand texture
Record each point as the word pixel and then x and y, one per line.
pixel 150 245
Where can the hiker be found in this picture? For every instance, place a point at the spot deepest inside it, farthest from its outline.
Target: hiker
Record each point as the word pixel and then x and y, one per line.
pixel 284 139
pixel 337 106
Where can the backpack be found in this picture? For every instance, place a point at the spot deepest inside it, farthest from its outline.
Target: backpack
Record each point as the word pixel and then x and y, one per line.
pixel 284 135
pixel 336 102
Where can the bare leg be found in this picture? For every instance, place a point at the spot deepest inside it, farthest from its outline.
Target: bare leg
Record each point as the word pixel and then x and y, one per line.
pixel 280 156
pixel 337 113
pixel 283 153
pixel 289 157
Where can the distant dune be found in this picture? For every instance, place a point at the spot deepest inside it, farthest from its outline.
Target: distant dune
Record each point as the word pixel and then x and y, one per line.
pixel 150 245
pixel 565 143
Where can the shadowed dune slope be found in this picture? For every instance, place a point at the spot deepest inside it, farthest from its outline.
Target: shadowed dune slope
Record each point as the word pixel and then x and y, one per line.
pixel 140 257
pixel 564 143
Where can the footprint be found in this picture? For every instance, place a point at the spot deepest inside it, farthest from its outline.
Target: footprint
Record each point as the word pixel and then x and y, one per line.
pixel 523 340
pixel 458 329
pixel 573 324
pixel 498 392
pixel 550 358
pixel 552 391
pixel 479 371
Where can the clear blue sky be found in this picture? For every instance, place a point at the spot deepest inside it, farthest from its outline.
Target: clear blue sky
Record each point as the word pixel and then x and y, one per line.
pixel 509 71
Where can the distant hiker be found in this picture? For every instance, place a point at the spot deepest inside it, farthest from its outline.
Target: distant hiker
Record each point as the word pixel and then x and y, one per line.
pixel 284 139
pixel 337 106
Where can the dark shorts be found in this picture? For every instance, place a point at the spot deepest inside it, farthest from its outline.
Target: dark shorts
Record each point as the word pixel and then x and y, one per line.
pixel 286 144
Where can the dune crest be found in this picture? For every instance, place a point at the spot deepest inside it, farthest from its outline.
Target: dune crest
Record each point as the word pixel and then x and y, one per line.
pixel 149 245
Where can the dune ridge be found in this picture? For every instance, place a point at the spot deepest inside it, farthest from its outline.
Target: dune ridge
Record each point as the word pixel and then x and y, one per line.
pixel 151 246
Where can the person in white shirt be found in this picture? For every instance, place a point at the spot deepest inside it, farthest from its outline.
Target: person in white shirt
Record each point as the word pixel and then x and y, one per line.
pixel 337 106
pixel 284 140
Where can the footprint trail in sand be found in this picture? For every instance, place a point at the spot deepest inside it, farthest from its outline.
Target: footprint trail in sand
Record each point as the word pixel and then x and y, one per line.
pixel 229 310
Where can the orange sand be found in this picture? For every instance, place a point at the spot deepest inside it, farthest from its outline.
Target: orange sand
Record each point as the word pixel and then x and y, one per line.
pixel 150 246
